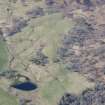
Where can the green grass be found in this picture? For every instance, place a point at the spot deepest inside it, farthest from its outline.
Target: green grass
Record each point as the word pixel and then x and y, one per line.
pixel 66 81
pixel 3 55
pixel 54 36
pixel 6 99
pixel 48 30
pixel 52 91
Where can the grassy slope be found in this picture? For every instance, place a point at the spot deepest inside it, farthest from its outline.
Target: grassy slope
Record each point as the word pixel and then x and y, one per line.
pixel 6 99
pixel 3 55
pixel 63 81
pixel 48 30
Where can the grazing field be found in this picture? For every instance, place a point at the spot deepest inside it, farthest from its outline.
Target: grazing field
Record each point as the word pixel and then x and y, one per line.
pixel 54 80
pixel 46 31
pixel 3 55
pixel 6 99
pixel 63 81
pixel 57 45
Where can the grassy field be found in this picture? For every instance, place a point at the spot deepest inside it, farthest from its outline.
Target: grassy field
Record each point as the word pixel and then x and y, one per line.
pixel 3 55
pixel 6 99
pixel 53 80
pixel 46 30
pixel 63 81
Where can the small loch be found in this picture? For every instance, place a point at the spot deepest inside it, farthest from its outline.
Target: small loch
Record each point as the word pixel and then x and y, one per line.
pixel 26 86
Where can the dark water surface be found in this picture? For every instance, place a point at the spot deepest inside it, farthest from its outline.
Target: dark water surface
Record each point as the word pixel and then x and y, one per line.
pixel 26 86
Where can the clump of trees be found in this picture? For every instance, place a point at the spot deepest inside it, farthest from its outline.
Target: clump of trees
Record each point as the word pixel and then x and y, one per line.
pixel 89 96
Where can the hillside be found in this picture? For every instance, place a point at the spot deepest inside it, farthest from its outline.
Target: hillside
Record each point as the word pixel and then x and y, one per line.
pixel 55 45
